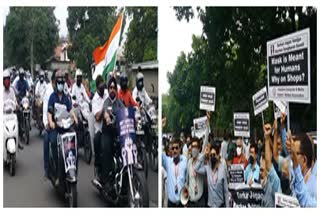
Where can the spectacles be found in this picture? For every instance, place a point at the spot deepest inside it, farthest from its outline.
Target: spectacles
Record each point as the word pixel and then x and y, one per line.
pixel 175 148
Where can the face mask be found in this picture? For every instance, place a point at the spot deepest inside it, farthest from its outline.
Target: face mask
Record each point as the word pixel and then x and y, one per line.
pixel 6 83
pixel 250 161
pixel 21 77
pixel 239 150
pixel 140 85
pixel 213 161
pixel 101 91
pixel 79 81
pixel 194 152
pixel 285 185
pixel 60 87
pixel 41 79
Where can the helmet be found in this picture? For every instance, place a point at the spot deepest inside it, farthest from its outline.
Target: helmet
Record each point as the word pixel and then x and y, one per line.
pixel 21 71
pixel 78 72
pixel 41 73
pixel 139 76
pixel 123 81
pixel 6 73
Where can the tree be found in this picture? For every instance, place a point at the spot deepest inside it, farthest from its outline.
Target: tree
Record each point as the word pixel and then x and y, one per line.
pixel 141 43
pixel 30 36
pixel 231 56
pixel 89 27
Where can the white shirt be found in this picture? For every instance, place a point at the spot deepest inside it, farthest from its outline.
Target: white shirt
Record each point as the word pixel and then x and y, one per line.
pixel 49 91
pixel 41 89
pixel 143 95
pixel 9 95
pixel 80 93
pixel 97 105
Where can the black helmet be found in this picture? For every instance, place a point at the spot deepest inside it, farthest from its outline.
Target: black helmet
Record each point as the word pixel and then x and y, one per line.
pixel 124 81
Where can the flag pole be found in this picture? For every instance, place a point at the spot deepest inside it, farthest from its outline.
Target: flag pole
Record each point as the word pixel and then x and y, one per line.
pixel 123 12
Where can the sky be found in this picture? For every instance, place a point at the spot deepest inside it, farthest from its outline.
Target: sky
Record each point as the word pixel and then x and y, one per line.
pixel 176 36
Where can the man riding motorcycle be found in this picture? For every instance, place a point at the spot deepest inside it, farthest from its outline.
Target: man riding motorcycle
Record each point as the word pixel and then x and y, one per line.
pixel 140 92
pixel 125 93
pixel 78 90
pixel 103 174
pixel 57 98
pixel 40 92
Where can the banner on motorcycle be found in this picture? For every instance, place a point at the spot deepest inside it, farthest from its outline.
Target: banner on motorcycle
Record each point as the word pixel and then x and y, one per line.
pixel 126 131
pixel 236 175
pixel 241 122
pixel 260 101
pixel 288 63
pixel 245 196
pixel 199 126
pixel 69 150
pixel 207 98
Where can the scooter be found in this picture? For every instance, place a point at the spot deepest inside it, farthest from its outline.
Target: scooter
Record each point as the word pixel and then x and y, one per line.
pixel 129 185
pixel 10 136
pixel 66 170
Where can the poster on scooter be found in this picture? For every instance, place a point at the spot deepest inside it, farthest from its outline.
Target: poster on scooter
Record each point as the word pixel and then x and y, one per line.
pixel 69 150
pixel 126 131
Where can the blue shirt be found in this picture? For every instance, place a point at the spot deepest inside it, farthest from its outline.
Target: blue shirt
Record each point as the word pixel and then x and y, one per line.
pixel 54 98
pixel 302 193
pixel 254 173
pixel 22 87
pixel 273 185
pixel 176 176
pixel 312 182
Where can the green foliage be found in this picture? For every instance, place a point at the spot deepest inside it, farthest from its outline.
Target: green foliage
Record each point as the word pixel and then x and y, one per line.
pixel 89 27
pixel 29 28
pixel 231 55
pixel 141 43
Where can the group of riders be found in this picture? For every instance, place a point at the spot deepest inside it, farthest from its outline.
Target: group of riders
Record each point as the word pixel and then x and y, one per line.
pixel 59 90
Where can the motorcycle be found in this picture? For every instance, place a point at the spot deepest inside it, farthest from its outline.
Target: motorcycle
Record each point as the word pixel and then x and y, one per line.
pixel 10 136
pixel 66 170
pixel 26 124
pixel 38 114
pixel 149 124
pixel 141 146
pixel 84 140
pixel 128 186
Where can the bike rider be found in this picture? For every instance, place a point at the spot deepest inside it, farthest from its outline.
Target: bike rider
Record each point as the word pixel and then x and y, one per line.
pixel 97 110
pixel 40 91
pixel 9 93
pixel 21 87
pixel 140 92
pixel 108 136
pixel 78 90
pixel 57 98
pixel 125 93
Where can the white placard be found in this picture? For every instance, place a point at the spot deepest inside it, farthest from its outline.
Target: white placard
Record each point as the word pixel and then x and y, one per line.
pixel 207 98
pixel 288 63
pixel 260 101
pixel 241 124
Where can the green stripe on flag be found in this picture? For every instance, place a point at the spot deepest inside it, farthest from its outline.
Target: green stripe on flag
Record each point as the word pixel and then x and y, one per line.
pixel 110 66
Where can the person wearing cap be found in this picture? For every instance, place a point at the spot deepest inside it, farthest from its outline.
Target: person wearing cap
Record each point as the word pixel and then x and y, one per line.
pixel 108 136
pixel 139 93
pixel 58 98
pixel 78 90
pixel 124 93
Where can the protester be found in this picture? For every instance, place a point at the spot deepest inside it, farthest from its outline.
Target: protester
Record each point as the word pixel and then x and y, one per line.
pixel 251 173
pixel 240 157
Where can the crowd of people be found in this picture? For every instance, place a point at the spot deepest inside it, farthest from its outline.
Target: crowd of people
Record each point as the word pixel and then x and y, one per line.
pixel 62 90
pixel 196 171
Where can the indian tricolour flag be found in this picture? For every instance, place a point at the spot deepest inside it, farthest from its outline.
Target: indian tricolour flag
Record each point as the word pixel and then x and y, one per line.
pixel 105 56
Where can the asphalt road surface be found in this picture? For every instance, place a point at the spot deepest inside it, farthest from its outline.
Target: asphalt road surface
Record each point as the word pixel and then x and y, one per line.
pixel 29 188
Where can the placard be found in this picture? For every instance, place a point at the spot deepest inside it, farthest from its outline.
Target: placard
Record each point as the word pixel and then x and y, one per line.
pixel 280 106
pixel 241 124
pixel 282 200
pixel 288 63
pixel 260 101
pixel 199 126
pixel 207 98
pixel 236 175
pixel 247 196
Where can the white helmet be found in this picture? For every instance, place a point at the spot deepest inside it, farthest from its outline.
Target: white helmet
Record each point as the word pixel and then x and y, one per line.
pixel 78 72
pixel 139 76
pixel 41 73
pixel 6 73
pixel 21 71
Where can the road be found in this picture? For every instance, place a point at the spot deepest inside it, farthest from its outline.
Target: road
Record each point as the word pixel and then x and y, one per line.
pixel 29 188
